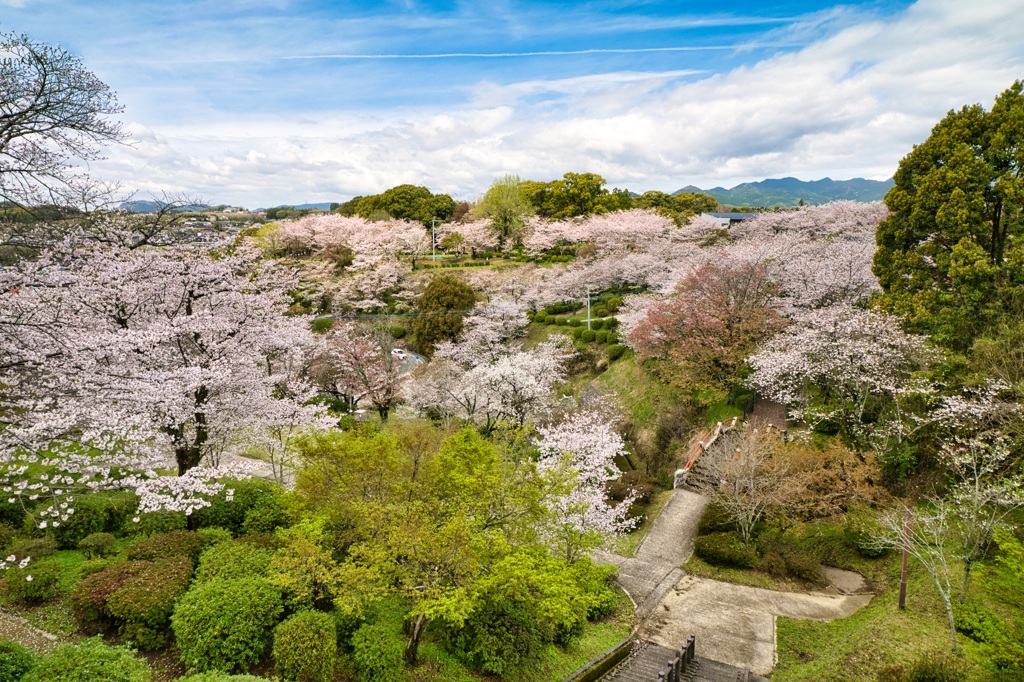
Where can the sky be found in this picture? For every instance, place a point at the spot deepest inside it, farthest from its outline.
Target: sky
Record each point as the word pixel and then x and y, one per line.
pixel 267 102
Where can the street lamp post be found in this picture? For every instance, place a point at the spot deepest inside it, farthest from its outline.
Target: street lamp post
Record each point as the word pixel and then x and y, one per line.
pixel 433 241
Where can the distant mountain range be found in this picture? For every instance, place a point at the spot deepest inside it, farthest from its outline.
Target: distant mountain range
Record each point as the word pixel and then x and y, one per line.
pixel 787 192
pixel 144 206
pixel 322 206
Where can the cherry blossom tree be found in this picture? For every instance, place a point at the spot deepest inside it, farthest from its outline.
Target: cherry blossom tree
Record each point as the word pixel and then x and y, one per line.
pixel 117 358
pixel 702 334
pixel 360 364
pixel 577 455
pixel 833 361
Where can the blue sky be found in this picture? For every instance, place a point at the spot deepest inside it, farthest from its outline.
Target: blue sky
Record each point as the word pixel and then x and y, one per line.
pixel 259 102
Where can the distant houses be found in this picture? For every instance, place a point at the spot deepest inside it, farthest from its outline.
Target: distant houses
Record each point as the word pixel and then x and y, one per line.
pixel 728 219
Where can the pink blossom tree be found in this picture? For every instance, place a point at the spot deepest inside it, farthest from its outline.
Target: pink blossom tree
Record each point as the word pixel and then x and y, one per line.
pixel 118 358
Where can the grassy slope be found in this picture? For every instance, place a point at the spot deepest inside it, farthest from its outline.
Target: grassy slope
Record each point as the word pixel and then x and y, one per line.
pixel 857 648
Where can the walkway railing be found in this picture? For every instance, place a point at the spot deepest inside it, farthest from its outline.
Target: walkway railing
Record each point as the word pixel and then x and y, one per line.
pixel 706 441
pixel 677 667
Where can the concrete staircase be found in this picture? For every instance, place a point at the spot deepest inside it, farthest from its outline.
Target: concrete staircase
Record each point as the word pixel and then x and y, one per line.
pixel 648 662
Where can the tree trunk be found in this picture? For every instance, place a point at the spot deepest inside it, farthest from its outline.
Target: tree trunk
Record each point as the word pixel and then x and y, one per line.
pixel 413 645
pixel 383 411
pixel 968 564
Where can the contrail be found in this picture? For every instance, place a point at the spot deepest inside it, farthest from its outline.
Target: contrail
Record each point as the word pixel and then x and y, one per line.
pixel 543 53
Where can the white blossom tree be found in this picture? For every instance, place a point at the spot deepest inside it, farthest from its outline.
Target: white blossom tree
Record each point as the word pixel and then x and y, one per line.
pixel 832 361
pixel 577 455
pixel 120 361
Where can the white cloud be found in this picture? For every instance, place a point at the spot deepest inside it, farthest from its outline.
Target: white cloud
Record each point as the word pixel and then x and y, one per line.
pixel 849 104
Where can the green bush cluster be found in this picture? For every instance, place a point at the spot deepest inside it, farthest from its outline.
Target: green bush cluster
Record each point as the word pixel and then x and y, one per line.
pixel 15 661
pixel 98 545
pixel 37 548
pixel 90 661
pixel 228 560
pixel 220 677
pixel 724 549
pixel 177 543
pixel 94 513
pixel 501 637
pixel 256 497
pixel 322 325
pixel 615 351
pixel 305 647
pixel 155 523
pixel 35 583
pixel 143 605
pixel 225 625
pixel 377 653
pixel 397 331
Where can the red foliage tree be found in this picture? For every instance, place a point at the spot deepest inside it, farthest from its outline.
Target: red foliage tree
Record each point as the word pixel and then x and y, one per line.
pixel 717 316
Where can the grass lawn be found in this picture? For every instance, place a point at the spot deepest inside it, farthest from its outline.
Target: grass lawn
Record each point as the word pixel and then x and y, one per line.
pixel 880 637
pixel 640 394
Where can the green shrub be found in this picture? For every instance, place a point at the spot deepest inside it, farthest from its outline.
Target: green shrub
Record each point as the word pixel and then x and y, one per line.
pixel 266 516
pixel 37 548
pixel 98 545
pixel 220 677
pixel 502 636
pixel 613 304
pixel 576 332
pixel 305 647
pixel 11 513
pixel 377 653
pixel 715 519
pixel 15 661
pixel 397 331
pixel 35 583
pixel 587 336
pixel 228 560
pixel 6 537
pixel 615 351
pixel 322 325
pixel 225 624
pixel 90 517
pixel 178 543
pixel 155 523
pixel 213 536
pixel 119 508
pixel 601 337
pixel 596 324
pixel 611 323
pixel 143 604
pixel 601 312
pixel 91 566
pixel 228 510
pixel 574 322
pixel 90 661
pixel 89 600
pixel 724 549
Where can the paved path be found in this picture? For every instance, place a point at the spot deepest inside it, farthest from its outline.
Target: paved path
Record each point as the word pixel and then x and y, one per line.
pixel 17 629
pixel 735 624
pixel 654 569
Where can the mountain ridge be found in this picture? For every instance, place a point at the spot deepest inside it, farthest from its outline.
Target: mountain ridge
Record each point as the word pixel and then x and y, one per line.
pixel 788 192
